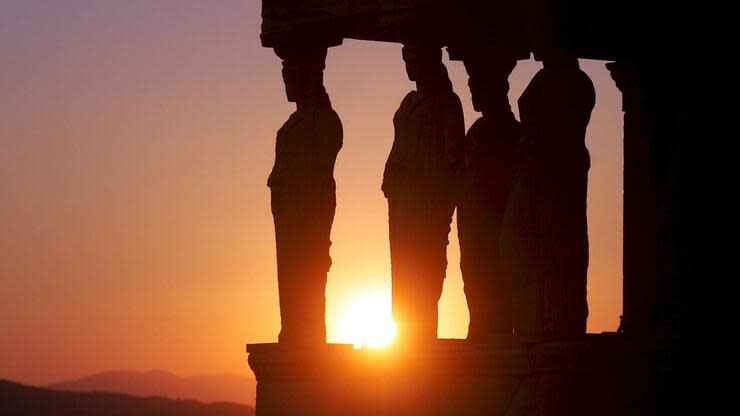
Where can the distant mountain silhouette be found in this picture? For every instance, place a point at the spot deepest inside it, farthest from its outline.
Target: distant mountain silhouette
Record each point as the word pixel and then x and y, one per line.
pixel 19 400
pixel 204 388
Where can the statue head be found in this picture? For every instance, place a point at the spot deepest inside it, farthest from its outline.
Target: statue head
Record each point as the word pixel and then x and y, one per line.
pixel 489 81
pixel 303 71
pixel 548 36
pixel 424 63
pixel 560 61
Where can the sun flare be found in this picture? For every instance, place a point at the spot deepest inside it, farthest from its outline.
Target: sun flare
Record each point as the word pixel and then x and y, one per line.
pixel 366 321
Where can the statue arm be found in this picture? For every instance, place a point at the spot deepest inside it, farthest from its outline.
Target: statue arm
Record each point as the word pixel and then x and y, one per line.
pixel 399 149
pixel 391 168
pixel 329 136
pixel 579 96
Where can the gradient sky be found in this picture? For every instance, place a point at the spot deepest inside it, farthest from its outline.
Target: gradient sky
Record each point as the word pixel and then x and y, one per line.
pixel 135 228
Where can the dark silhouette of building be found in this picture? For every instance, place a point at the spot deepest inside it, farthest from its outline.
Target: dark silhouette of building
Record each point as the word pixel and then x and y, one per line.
pixel 541 362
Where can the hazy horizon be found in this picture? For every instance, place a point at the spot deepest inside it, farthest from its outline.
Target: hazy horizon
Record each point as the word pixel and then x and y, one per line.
pixel 136 229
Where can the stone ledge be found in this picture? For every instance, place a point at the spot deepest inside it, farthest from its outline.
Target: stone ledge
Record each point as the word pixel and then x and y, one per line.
pixel 603 374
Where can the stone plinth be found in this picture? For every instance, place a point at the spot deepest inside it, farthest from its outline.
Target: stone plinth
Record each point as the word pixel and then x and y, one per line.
pixel 601 374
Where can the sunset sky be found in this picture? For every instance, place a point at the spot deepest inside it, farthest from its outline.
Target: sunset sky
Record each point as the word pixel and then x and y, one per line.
pixel 135 225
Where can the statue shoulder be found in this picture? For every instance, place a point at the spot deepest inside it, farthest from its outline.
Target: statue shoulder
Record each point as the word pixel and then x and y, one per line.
pixel 452 101
pixel 533 89
pixel 578 88
pixel 327 115
pixel 409 101
pixel 329 128
pixel 294 118
pixel 328 119
pixel 479 126
pixel 588 86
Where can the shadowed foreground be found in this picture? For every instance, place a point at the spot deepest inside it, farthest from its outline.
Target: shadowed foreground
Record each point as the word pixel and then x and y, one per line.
pixel 20 400
pixel 596 374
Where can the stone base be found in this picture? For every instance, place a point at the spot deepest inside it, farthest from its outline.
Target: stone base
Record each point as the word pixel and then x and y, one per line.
pixel 604 374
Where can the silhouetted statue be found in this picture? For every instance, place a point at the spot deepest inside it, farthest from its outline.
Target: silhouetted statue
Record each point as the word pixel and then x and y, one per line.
pixel 303 195
pixel 535 240
pixel 546 241
pixel 419 181
pixel 490 160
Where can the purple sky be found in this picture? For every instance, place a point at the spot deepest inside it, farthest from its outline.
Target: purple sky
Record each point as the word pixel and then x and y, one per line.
pixel 135 229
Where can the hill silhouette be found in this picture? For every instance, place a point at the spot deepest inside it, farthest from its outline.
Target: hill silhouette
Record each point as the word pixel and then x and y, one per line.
pixel 19 400
pixel 204 388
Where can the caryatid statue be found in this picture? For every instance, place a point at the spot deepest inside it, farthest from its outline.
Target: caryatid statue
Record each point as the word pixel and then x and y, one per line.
pixel 420 181
pixel 491 150
pixel 303 195
pixel 546 234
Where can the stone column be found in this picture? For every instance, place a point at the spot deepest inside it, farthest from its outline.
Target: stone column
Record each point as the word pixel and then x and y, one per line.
pixel 491 151
pixel 419 181
pixel 641 288
pixel 545 237
pixel 303 194
pixel 660 194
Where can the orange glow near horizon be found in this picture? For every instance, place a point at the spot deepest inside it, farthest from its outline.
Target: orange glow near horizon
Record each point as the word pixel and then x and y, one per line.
pixel 366 321
pixel 137 138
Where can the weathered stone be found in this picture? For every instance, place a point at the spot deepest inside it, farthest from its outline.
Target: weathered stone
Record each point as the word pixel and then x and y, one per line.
pixel 311 380
pixel 601 374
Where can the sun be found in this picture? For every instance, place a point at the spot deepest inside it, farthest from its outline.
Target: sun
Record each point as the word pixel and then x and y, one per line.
pixel 366 321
